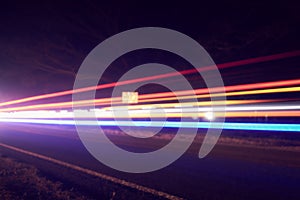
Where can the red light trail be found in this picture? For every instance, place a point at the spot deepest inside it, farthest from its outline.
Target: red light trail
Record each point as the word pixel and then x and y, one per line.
pixel 41 113
pixel 109 85
pixel 117 100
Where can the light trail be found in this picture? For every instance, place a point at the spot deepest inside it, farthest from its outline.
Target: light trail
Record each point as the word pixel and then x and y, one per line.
pixel 200 93
pixel 38 113
pixel 117 101
pixel 262 114
pixel 145 114
pixel 220 66
pixel 231 88
pixel 168 124
pixel 167 110
pixel 189 104
pixel 247 92
pixel 69 104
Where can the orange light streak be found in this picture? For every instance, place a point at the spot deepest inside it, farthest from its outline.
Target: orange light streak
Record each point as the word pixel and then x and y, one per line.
pixel 220 66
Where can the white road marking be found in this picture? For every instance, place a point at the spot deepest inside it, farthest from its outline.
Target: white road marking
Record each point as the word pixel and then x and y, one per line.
pixel 94 173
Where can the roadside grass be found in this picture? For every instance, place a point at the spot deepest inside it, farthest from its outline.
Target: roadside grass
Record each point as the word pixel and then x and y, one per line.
pixel 23 181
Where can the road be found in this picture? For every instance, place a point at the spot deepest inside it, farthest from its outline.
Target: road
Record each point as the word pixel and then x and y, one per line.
pixel 229 172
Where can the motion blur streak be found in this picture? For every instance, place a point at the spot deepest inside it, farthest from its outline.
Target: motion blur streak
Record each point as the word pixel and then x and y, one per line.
pixel 191 109
pixel 247 92
pixel 104 101
pixel 107 101
pixel 187 104
pixel 117 100
pixel 168 124
pixel 272 84
pixel 147 114
pixel 220 66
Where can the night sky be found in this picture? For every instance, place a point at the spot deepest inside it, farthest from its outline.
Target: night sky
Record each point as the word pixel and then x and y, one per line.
pixel 43 44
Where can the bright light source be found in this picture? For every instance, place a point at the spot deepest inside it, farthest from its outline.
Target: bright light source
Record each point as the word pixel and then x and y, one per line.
pixel 209 116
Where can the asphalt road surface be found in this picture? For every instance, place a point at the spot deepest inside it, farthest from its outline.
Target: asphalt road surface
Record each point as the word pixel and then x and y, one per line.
pixel 229 172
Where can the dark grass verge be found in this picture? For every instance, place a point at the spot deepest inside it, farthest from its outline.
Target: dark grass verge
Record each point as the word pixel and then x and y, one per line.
pixel 23 181
pixel 26 177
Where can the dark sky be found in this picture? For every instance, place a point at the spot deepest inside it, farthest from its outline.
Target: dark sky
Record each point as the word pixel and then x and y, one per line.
pixel 42 44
